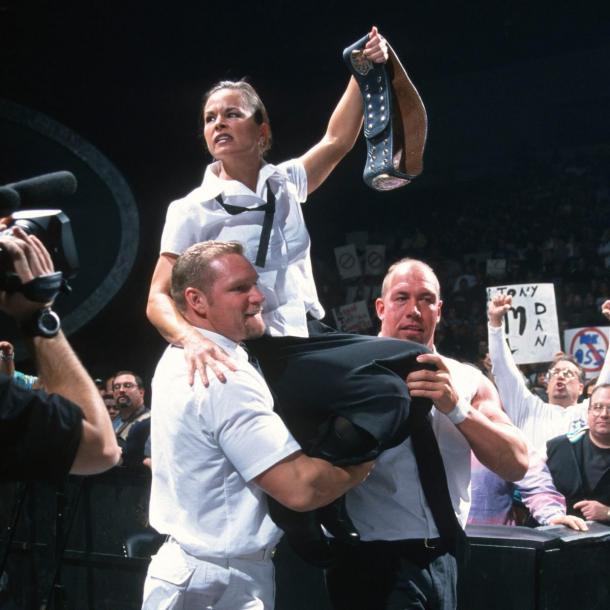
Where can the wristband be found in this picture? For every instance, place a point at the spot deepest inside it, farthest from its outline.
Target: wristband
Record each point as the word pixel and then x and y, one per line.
pixel 459 413
pixel 5 356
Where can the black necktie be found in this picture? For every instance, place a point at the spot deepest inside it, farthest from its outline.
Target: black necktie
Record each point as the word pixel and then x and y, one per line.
pixel 269 209
pixel 433 477
pixel 252 359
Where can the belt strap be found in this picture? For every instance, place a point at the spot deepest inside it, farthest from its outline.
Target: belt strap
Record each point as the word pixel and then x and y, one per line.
pixel 269 209
pixel 395 121
pixel 260 555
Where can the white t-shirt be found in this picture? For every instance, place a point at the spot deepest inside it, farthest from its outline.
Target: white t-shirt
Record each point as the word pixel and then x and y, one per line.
pixel 390 504
pixel 287 278
pixel 207 446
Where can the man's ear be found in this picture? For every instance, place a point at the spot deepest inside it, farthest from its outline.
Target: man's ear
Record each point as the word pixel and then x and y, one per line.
pixel 380 308
pixel 196 300
pixel 439 310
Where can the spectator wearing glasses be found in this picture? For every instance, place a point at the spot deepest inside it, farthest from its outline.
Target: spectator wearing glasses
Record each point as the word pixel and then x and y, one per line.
pixel 132 426
pixel 580 462
pixel 539 420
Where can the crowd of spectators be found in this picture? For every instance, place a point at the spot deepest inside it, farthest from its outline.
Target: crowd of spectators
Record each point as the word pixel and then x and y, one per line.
pixel 543 221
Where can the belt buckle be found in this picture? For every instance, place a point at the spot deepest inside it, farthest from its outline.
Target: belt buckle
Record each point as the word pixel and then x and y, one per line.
pixel 362 64
pixel 428 546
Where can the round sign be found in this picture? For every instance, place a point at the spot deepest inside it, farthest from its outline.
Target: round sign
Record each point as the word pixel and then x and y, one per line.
pixel 347 261
pixel 589 346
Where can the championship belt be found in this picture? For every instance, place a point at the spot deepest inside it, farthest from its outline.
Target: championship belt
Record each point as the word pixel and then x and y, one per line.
pixel 395 121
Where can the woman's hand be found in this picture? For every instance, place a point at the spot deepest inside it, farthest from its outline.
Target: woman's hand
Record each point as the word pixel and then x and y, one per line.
pixel 202 354
pixel 571 521
pixel 376 49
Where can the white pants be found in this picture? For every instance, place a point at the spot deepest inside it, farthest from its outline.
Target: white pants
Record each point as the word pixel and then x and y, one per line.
pixel 178 581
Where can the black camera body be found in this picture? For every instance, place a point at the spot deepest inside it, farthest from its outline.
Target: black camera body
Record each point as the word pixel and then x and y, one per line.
pixel 54 230
pixel 51 226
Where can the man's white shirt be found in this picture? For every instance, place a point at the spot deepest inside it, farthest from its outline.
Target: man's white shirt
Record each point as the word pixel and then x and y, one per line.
pixel 207 446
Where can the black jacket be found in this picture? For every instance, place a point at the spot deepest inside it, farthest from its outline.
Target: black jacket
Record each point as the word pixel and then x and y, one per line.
pixel 566 462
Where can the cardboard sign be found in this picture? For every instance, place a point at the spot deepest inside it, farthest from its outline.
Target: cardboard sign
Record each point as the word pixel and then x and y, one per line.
pixel 589 346
pixel 348 263
pixel 353 318
pixel 530 327
pixel 374 260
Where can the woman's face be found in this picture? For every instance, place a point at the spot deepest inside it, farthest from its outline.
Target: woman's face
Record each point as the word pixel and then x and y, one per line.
pixel 229 128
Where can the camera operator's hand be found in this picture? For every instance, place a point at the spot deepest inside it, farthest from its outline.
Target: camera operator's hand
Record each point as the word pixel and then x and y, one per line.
pixel 30 260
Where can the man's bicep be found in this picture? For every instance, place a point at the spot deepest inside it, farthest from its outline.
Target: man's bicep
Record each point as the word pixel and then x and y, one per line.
pixel 487 402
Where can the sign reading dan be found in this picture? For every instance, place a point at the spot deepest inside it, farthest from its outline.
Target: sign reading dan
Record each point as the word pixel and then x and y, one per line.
pixel 530 326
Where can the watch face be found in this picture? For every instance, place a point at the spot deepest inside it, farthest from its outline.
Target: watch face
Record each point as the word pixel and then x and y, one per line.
pixel 48 323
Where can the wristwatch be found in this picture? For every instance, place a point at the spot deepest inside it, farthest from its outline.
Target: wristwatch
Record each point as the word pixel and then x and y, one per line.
pixel 44 323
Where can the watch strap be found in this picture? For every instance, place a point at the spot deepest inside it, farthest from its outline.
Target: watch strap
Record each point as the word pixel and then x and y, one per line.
pixel 43 323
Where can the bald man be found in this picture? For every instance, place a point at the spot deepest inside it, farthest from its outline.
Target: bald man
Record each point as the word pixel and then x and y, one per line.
pixel 402 560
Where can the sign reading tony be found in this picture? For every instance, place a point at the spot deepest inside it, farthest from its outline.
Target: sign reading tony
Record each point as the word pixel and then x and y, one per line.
pixel 589 346
pixel 530 326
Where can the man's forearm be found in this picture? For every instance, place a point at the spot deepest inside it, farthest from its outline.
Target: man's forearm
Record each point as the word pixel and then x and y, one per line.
pixel 326 483
pixel 304 483
pixel 539 493
pixel 62 373
pixel 509 380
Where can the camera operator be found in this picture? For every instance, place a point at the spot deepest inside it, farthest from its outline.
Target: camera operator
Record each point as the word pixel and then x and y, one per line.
pixel 45 435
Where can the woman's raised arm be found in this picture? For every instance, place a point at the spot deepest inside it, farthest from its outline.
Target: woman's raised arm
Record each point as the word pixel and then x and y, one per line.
pixel 344 124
